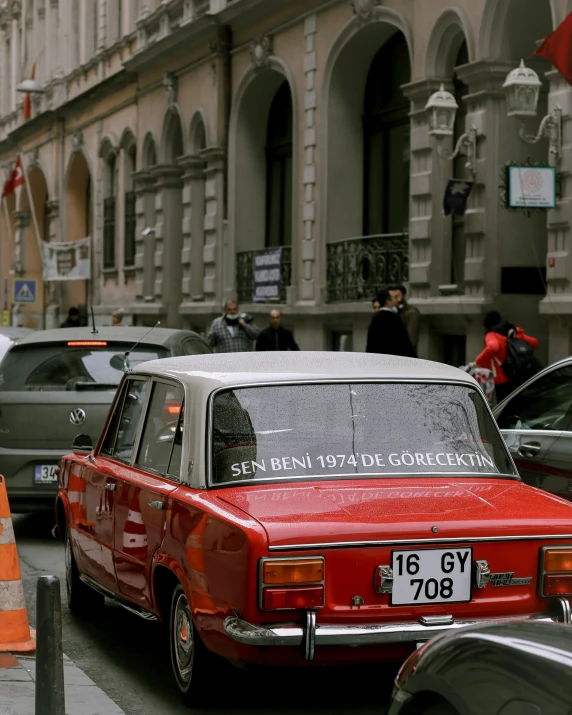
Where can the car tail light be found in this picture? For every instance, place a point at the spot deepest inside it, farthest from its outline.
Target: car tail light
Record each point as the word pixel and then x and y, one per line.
pixel 280 598
pixel 292 583
pixel 87 343
pixel 173 408
pixel 556 571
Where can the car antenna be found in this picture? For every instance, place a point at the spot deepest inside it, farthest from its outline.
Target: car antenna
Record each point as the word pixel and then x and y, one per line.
pixel 94 330
pixel 126 368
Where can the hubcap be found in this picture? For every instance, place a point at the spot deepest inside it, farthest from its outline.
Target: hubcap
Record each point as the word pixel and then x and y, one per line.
pixel 183 639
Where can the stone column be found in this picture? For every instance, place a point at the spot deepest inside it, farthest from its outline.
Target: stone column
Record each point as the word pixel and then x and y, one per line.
pixel 53 305
pixel 218 277
pixel 308 253
pixel 168 248
pixel 144 183
pixel 193 227
pixel 21 223
pixel 557 305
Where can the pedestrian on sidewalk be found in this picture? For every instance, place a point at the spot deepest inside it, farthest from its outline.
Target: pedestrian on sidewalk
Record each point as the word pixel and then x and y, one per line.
pixel 387 333
pixel 508 352
pixel 276 336
pixel 117 318
pixel 73 320
pixel 234 332
pixel 409 313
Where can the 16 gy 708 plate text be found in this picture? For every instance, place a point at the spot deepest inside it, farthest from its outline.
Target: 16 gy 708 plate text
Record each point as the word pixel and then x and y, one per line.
pixel 431 576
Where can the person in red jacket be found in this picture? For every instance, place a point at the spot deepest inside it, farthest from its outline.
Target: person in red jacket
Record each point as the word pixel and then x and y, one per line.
pixel 495 352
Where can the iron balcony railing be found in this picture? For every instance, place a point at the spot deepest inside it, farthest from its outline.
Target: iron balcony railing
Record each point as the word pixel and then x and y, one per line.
pixel 358 267
pixel 245 274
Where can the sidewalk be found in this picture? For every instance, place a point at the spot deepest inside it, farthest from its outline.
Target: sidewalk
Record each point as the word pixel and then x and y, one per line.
pixel 17 697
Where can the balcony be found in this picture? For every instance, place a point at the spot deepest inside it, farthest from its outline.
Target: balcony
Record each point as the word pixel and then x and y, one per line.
pixel 245 275
pixel 358 267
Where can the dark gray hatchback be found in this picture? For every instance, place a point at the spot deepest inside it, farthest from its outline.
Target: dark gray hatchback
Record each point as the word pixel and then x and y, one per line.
pixel 55 384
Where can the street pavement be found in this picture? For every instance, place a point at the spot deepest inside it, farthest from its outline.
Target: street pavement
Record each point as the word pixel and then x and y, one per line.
pixel 125 656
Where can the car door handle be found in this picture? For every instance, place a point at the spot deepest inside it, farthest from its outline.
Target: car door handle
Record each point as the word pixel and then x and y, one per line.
pixel 529 450
pixel 157 504
pixel 110 486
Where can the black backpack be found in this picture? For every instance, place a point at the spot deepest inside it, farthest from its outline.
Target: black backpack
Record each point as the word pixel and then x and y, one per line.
pixel 520 363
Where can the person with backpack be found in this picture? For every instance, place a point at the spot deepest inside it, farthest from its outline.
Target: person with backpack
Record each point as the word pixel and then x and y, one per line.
pixel 508 352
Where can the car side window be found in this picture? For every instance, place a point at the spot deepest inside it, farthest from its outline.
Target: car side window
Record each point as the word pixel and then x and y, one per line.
pixel 162 440
pixel 122 433
pixel 195 346
pixel 543 405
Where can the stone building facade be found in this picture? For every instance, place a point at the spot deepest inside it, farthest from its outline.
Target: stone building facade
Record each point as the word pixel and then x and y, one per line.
pixel 185 135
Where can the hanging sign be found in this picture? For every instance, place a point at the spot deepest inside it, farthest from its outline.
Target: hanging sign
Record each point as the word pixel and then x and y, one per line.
pixel 67 261
pixel 531 187
pixel 267 274
pixel 456 196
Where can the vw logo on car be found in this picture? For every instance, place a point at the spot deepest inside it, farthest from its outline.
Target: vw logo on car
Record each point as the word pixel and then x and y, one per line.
pixel 77 416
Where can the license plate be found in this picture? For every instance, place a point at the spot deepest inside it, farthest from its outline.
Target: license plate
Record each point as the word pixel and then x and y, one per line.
pixel 431 576
pixel 45 474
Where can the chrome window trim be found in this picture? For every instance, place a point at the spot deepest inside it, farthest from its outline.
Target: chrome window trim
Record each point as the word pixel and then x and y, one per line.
pixel 334 381
pixel 122 387
pixel 542 573
pixel 261 563
pixel 416 542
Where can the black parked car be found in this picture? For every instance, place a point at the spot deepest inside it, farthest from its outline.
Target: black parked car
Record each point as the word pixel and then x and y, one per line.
pixel 536 423
pixel 499 669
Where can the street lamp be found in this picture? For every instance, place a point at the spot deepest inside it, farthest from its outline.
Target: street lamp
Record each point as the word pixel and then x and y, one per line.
pixel 522 87
pixel 441 110
pixel 31 86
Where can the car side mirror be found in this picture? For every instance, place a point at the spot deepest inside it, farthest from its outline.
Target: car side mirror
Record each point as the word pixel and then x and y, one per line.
pixel 82 445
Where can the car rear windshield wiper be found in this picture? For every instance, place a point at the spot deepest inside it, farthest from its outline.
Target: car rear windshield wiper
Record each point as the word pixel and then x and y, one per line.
pixel 95 386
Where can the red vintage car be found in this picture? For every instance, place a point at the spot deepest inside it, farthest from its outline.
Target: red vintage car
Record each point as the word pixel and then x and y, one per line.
pixel 306 508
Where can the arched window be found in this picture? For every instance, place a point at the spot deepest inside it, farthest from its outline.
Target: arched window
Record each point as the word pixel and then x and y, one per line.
pixel 279 169
pixel 386 135
pixel 460 90
pixel 109 212
pixel 130 217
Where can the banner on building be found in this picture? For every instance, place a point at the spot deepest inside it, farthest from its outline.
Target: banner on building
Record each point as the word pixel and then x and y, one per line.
pixel 267 274
pixel 456 196
pixel 67 261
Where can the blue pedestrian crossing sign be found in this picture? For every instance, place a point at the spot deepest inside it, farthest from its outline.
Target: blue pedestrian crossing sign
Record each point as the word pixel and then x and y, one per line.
pixel 24 290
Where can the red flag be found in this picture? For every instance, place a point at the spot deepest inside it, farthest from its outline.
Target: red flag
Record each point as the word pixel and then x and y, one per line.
pixel 557 48
pixel 15 180
pixel 27 99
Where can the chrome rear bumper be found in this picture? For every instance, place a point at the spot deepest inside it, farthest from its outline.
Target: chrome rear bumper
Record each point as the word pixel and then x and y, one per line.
pixel 357 635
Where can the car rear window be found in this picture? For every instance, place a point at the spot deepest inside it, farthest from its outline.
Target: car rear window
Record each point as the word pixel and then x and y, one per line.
pixel 61 366
pixel 353 429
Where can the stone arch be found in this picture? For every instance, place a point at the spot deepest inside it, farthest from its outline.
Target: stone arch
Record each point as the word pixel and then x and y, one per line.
pixel 108 146
pixel 127 140
pixel 173 138
pixel 149 151
pixel 247 139
pixel 78 218
pixel 509 30
pixel 345 77
pixel 198 134
pixel 451 29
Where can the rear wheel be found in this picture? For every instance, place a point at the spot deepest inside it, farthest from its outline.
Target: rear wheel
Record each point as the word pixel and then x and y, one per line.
pixel 189 658
pixel 82 600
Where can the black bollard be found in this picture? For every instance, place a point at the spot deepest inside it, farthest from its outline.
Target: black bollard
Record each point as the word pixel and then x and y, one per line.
pixel 50 695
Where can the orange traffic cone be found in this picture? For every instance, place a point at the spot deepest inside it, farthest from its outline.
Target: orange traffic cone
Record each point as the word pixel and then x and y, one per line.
pixel 15 633
pixel 135 542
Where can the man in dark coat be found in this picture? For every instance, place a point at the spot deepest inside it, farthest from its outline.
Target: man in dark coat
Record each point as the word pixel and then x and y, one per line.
pixel 73 319
pixel 276 337
pixel 387 333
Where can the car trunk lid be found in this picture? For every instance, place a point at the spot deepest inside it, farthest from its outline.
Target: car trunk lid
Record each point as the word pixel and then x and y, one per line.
pixel 405 509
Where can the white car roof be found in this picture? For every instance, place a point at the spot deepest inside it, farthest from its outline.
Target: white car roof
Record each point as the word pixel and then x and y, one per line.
pixel 226 369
